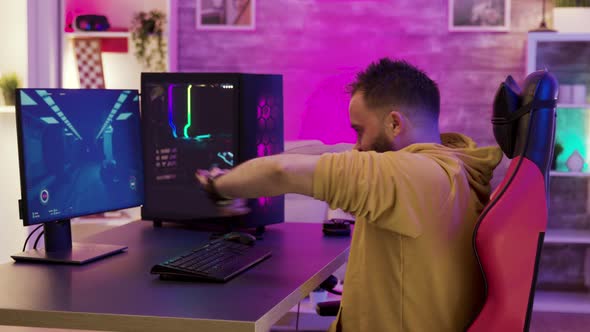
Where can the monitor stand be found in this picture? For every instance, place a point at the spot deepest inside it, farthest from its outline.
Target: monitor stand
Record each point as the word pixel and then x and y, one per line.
pixel 60 249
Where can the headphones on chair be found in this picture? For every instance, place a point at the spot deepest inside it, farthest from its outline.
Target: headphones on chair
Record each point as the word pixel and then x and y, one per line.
pixel 508 109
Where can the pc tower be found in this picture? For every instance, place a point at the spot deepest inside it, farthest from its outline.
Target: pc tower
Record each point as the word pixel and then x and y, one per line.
pixel 194 121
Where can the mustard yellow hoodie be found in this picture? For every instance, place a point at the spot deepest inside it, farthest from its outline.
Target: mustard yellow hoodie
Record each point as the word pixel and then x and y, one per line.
pixel 411 265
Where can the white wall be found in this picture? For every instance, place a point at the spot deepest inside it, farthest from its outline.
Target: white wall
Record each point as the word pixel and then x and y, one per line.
pixel 13 38
pixel 43 33
pixel 13 58
pixel 12 232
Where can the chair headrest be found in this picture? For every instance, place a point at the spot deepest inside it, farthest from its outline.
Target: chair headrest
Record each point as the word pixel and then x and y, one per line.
pixel 524 120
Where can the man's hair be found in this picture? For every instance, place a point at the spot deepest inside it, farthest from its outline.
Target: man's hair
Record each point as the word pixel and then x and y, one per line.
pixel 398 83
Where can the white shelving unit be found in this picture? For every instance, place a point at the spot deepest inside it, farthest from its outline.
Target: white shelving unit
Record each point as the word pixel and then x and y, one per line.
pixel 567 236
pixel 121 69
pixel 98 34
pixel 6 109
pixel 573 105
pixel 570 174
pixel 565 55
pixel 534 38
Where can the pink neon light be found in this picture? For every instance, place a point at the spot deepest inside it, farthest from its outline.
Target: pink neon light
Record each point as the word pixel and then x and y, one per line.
pixel 260 150
pixel 263 201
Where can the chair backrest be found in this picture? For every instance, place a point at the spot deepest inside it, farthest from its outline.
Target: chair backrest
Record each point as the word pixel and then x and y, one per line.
pixel 509 233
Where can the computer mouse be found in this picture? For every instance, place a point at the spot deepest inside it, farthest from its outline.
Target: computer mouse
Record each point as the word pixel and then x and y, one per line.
pixel 239 237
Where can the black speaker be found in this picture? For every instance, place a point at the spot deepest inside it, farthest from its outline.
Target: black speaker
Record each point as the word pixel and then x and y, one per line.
pixel 92 23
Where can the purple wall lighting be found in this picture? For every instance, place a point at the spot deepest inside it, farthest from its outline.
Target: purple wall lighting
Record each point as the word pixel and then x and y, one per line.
pixel 264 201
pixel 319 45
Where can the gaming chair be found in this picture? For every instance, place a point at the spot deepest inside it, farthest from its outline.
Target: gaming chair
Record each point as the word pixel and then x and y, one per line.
pixel 509 233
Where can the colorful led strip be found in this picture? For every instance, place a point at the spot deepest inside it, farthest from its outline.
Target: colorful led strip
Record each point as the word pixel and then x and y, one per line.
pixel 223 156
pixel 170 111
pixel 188 111
pixel 203 137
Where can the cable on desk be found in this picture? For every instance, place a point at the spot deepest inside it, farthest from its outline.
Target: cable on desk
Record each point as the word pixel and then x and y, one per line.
pixel 297 321
pixel 31 234
pixel 37 241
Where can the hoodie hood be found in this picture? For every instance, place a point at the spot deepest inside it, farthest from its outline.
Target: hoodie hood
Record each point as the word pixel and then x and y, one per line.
pixel 479 163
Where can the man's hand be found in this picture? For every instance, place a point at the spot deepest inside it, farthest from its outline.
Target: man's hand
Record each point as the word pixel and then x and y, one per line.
pixel 204 175
pixel 226 206
pixel 262 177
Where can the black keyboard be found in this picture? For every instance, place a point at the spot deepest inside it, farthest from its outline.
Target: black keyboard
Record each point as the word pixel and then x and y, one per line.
pixel 218 260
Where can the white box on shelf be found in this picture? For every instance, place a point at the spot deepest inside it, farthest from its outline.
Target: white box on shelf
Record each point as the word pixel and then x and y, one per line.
pixel 565 93
pixel 571 19
pixel 578 93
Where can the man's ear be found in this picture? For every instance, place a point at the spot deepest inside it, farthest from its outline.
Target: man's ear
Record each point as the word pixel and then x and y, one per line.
pixel 397 123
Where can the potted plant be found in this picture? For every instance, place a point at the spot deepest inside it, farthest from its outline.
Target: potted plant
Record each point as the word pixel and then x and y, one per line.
pixel 147 34
pixel 557 150
pixel 8 84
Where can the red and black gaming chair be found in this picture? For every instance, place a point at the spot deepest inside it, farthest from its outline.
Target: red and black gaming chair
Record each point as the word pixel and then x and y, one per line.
pixel 509 233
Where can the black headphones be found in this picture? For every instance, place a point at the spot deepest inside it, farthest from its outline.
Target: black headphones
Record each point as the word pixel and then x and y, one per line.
pixel 508 109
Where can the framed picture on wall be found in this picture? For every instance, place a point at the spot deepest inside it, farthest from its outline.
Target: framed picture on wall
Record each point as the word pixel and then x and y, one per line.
pixel 479 15
pixel 226 14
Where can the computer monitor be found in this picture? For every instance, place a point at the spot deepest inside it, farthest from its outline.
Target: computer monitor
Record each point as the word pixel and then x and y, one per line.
pixel 196 121
pixel 80 154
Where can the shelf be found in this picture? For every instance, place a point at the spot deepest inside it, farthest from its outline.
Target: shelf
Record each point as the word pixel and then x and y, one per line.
pixel 570 174
pixel 573 105
pixel 6 109
pixel 567 236
pixel 558 36
pixel 565 302
pixel 98 34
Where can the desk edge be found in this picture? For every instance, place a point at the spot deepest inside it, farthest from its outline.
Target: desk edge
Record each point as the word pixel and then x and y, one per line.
pixel 112 322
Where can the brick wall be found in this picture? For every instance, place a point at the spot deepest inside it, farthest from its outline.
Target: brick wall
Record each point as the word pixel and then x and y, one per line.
pixel 318 45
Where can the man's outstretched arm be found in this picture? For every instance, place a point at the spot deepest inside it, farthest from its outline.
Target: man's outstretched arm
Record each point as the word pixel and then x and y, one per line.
pixel 269 176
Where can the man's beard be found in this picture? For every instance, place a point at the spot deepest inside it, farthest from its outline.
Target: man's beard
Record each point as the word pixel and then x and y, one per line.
pixel 382 144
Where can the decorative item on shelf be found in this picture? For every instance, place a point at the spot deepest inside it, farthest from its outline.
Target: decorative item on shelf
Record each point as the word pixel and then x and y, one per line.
pixel 557 150
pixel 575 163
pixel 69 22
pixel 565 94
pixel 8 84
pixel 226 15
pixel 579 94
pixel 571 15
pixel 469 15
pixel 91 23
pixel 147 34
pixel 89 60
pixel 543 25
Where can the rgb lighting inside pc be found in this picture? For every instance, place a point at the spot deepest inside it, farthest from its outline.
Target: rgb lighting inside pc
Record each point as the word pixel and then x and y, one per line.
pixel 190 126
pixel 205 136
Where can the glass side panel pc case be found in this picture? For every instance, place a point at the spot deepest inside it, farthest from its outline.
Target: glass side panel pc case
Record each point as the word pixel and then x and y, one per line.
pixel 79 151
pixel 196 121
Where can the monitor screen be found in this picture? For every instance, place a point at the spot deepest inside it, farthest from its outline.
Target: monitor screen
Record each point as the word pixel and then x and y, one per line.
pixel 188 125
pixel 80 152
